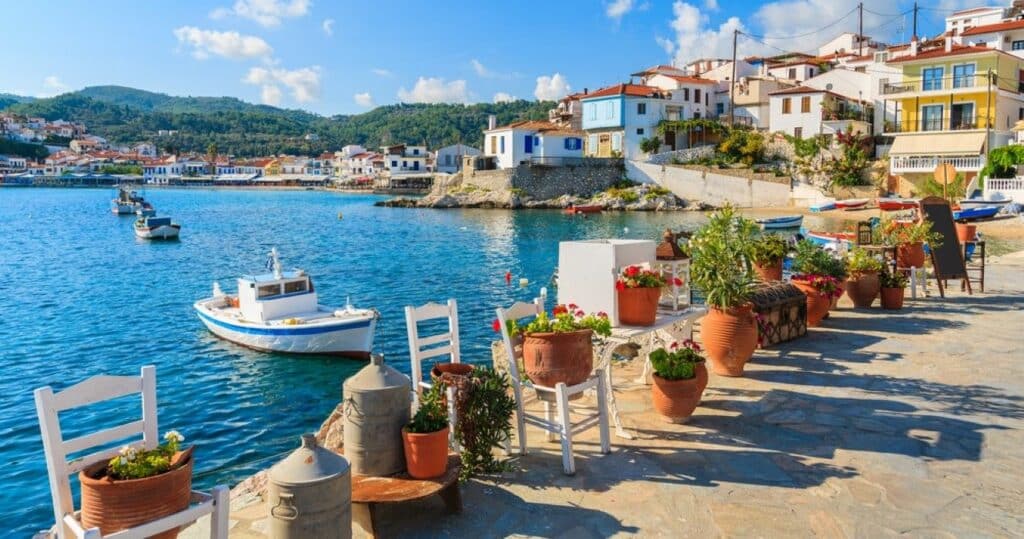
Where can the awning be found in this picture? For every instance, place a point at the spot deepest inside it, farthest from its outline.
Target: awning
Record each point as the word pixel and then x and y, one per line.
pixel 954 143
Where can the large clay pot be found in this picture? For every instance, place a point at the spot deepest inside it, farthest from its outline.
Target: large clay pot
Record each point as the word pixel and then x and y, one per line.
pixel 426 454
pixel 966 232
pixel 910 255
pixel 454 369
pixel 638 306
pixel 817 304
pixel 113 505
pixel 676 400
pixel 892 298
pixel 730 338
pixel 550 358
pixel 769 272
pixel 863 288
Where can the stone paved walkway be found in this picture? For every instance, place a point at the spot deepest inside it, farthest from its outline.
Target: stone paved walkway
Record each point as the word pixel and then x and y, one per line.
pixel 878 424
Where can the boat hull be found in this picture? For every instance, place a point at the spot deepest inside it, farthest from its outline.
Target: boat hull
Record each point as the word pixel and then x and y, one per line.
pixel 852 204
pixel 825 206
pixel 896 204
pixel 829 240
pixel 972 203
pixel 164 232
pixel 353 338
pixel 971 214
pixel 781 222
pixel 122 209
pixel 583 209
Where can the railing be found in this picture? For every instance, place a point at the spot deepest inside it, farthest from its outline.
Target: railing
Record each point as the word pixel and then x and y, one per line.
pixel 1006 188
pixel 976 80
pixel 945 123
pixel 915 163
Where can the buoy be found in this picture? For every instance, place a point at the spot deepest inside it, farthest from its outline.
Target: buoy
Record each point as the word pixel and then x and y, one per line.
pixel 508 277
pixel 340 216
pixel 523 282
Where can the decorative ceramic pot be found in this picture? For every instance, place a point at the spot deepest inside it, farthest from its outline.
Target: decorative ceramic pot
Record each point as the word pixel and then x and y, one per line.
pixel 426 454
pixel 676 400
pixel 863 287
pixel 729 338
pixel 817 304
pixel 892 298
pixel 966 232
pixel 910 255
pixel 769 272
pixel 638 306
pixel 452 369
pixel 118 504
pixel 550 358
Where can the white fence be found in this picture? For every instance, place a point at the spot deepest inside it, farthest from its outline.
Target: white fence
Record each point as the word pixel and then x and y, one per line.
pixel 1004 188
pixel 915 163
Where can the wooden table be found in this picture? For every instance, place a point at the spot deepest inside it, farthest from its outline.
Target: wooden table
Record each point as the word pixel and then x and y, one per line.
pixel 370 491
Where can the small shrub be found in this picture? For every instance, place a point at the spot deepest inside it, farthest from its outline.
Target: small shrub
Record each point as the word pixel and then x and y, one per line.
pixel 650 145
pixel 768 249
pixel 861 261
pixel 628 196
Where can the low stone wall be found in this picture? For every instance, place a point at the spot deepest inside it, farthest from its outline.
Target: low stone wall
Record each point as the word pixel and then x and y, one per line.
pixel 689 154
pixel 491 180
pixel 712 186
pixel 585 179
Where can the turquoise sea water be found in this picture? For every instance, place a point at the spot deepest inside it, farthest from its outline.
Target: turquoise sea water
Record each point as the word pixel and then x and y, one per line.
pixel 80 296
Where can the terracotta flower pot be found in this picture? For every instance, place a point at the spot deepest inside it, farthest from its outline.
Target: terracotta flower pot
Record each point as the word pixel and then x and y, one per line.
pixel 117 504
pixel 550 358
pixel 892 298
pixel 638 306
pixel 729 338
pixel 966 232
pixel 769 272
pixel 817 304
pixel 454 369
pixel 834 301
pixel 910 255
pixel 426 454
pixel 863 288
pixel 676 400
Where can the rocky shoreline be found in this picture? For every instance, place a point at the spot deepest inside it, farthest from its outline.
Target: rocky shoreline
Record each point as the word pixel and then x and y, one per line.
pixel 634 198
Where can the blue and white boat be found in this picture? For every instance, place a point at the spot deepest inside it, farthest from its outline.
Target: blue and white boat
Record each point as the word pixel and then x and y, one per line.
pixel 971 214
pixel 280 312
pixel 824 206
pixel 971 203
pixel 789 221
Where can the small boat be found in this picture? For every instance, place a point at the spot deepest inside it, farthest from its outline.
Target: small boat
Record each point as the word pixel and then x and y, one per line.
pixel 573 210
pixel 156 228
pixel 851 204
pixel 788 221
pixel 280 312
pixel 147 210
pixel 897 204
pixel 128 202
pixel 824 206
pixel 971 214
pixel 831 240
pixel 968 203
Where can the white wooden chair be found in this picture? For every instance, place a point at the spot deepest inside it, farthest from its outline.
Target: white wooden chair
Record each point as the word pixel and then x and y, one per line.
pixel 57 449
pixel 433 346
pixel 560 425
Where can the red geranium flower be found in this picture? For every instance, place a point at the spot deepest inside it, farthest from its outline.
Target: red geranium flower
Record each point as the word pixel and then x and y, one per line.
pixel 674 345
pixel 632 271
pixel 678 282
pixel 559 309
pixel 620 286
pixel 573 307
pixel 496 324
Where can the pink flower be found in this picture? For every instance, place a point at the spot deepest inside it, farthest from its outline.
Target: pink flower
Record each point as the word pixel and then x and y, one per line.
pixel 580 313
pixel 674 345
pixel 573 307
pixel 602 314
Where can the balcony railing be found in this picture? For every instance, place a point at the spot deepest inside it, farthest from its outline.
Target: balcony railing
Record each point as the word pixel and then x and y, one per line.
pixel 946 123
pixel 949 83
pixel 915 163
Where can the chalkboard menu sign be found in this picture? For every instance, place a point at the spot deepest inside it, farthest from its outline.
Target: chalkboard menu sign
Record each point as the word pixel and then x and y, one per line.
pixel 947 258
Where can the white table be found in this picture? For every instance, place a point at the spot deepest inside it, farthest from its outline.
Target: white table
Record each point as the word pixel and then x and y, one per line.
pixel 655 335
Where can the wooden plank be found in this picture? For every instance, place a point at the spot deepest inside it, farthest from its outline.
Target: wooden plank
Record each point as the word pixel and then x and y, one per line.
pixel 434 352
pixel 96 389
pixel 103 437
pixel 423 342
pixel 151 433
pixel 402 488
pixel 429 311
pixel 56 465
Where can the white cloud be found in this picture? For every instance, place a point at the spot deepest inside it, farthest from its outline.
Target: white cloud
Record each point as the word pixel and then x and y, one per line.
pixel 328 26
pixel 227 44
pixel 435 90
pixel 618 8
pixel 302 83
pixel 551 88
pixel 504 97
pixel 480 69
pixel 711 5
pixel 381 72
pixel 666 44
pixel 695 38
pixel 265 12
pixel 364 99
pixel 52 85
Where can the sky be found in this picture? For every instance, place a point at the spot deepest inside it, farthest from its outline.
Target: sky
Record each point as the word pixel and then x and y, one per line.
pixel 345 57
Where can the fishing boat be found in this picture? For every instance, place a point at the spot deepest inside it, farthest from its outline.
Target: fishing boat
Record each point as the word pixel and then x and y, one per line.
pixel 573 210
pixel 969 203
pixel 280 312
pixel 824 206
pixel 156 228
pixel 851 204
pixel 788 221
pixel 128 201
pixel 897 204
pixel 829 240
pixel 972 214
pixel 146 210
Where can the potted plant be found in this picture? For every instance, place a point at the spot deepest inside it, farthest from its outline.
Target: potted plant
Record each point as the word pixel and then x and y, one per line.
pixel 638 290
pixel 893 287
pixel 815 273
pixel 679 380
pixel 862 285
pixel 719 269
pixel 425 437
pixel 138 486
pixel 966 232
pixel 485 420
pixel 767 253
pixel 558 348
pixel 909 238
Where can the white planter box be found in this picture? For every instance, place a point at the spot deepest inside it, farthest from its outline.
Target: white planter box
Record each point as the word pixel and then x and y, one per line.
pixel 587 271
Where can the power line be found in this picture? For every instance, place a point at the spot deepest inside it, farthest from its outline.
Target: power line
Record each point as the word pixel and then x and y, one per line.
pixel 819 30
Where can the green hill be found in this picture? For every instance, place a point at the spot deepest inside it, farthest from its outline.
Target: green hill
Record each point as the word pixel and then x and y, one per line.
pixel 125 115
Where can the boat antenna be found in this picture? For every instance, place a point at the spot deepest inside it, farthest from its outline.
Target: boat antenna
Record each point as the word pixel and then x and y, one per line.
pixel 275 263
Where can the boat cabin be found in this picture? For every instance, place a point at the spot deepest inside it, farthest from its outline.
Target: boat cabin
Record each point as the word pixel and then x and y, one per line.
pixel 276 295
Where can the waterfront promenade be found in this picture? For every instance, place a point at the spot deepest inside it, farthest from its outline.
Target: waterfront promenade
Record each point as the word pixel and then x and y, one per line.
pixel 877 424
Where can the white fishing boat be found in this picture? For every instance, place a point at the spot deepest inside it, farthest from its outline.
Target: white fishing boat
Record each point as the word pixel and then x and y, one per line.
pixel 128 202
pixel 156 228
pixel 280 312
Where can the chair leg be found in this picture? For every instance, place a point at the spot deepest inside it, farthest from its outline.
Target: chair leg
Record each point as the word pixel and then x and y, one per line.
pixel 453 419
pixel 568 462
pixel 520 417
pixel 221 509
pixel 549 417
pixel 602 411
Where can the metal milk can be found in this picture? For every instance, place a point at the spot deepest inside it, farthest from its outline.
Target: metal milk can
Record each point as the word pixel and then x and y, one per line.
pixel 375 408
pixel 310 494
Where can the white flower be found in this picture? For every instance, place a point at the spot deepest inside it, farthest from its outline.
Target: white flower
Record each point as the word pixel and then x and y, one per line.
pixel 174 436
pixel 125 450
pixel 123 461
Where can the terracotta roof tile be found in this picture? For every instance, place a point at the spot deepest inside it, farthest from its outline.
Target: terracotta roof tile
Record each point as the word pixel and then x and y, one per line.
pixel 942 53
pixel 997 27
pixel 636 90
pixel 689 80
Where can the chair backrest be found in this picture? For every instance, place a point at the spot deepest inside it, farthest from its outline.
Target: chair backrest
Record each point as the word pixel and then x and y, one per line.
pixel 433 346
pixel 517 311
pixel 93 390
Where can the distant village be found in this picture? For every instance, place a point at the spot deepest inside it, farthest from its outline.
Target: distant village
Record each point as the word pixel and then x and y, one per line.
pixel 950 98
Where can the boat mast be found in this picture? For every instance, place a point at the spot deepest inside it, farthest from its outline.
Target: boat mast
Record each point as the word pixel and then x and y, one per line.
pixel 276 263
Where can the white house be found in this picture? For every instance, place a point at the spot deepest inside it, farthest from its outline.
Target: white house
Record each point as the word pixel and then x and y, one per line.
pixel 849 42
pixel 1006 36
pixel 449 158
pixel 405 159
pixel 959 21
pixel 146 149
pixel 805 112
pixel 617 118
pixel 795 71
pixel 752 97
pixel 11 164
pixel 531 141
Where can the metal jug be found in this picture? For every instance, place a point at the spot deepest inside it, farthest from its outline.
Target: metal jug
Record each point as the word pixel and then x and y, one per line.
pixel 376 406
pixel 310 494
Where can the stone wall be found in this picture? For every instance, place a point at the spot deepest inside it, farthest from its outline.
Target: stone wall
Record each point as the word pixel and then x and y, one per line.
pixel 585 179
pixel 491 180
pixel 712 187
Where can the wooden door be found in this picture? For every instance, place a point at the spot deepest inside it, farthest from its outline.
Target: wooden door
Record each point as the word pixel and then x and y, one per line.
pixel 604 146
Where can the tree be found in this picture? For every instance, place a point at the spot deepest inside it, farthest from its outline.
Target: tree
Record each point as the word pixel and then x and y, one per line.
pixel 211 158
pixel 650 144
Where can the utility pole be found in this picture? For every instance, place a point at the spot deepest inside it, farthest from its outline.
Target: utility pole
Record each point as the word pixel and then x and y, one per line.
pixel 732 81
pixel 914 35
pixel 860 31
pixel 988 115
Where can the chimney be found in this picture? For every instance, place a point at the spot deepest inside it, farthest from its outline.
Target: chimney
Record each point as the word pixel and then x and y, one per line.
pixel 949 43
pixel 492 121
pixel 913 46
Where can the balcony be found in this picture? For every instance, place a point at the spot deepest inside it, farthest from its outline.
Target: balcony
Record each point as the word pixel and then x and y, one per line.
pixel 946 123
pixel 952 84
pixel 902 164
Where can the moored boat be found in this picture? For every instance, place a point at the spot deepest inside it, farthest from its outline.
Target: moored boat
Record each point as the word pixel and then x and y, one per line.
pixel 969 203
pixel 823 206
pixel 128 202
pixel 156 228
pixel 788 221
pixel 592 208
pixel 831 240
pixel 897 204
pixel 972 214
pixel 280 312
pixel 851 203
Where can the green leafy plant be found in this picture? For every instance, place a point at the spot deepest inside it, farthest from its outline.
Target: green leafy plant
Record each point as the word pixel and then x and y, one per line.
pixel 485 421
pixel 953 190
pixel 848 169
pixel 432 415
pixel 1002 162
pixel 627 195
pixel 742 146
pixel 650 145
pixel 768 249
pixel 812 259
pixel 861 261
pixel 133 463
pixel 679 362
pixel 719 266
pixel 563 319
pixel 892 232
pixel 889 279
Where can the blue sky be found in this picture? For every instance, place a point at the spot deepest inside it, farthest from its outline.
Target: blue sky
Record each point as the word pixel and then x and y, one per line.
pixel 346 57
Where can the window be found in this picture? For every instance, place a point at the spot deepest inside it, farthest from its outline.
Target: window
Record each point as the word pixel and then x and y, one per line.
pixel 592 111
pixel 931 118
pixel 268 290
pixel 810 72
pixel 609 110
pixel 394 164
pixel 1020 114
pixel 447 159
pixel 696 95
pixel 573 143
pixel 686 94
pixel 961 116
pixel 805 104
pixel 639 131
pixel 592 144
pixel 501 143
pixel 798 132
pixel 528 144
pixel 931 78
pixel 641 108
pixel 405 164
pixel 963 76
pixel 1018 45
pixel 792 73
pixel 494 144
pixel 786 105
pixel 416 151
pixel 720 108
pixel 706 94
pixel 294 287
pixel 617 142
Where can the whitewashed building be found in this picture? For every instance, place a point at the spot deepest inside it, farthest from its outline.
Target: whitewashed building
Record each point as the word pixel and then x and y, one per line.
pixel 449 158
pixel 404 159
pixel 531 141
pixel 804 112
pixel 959 21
